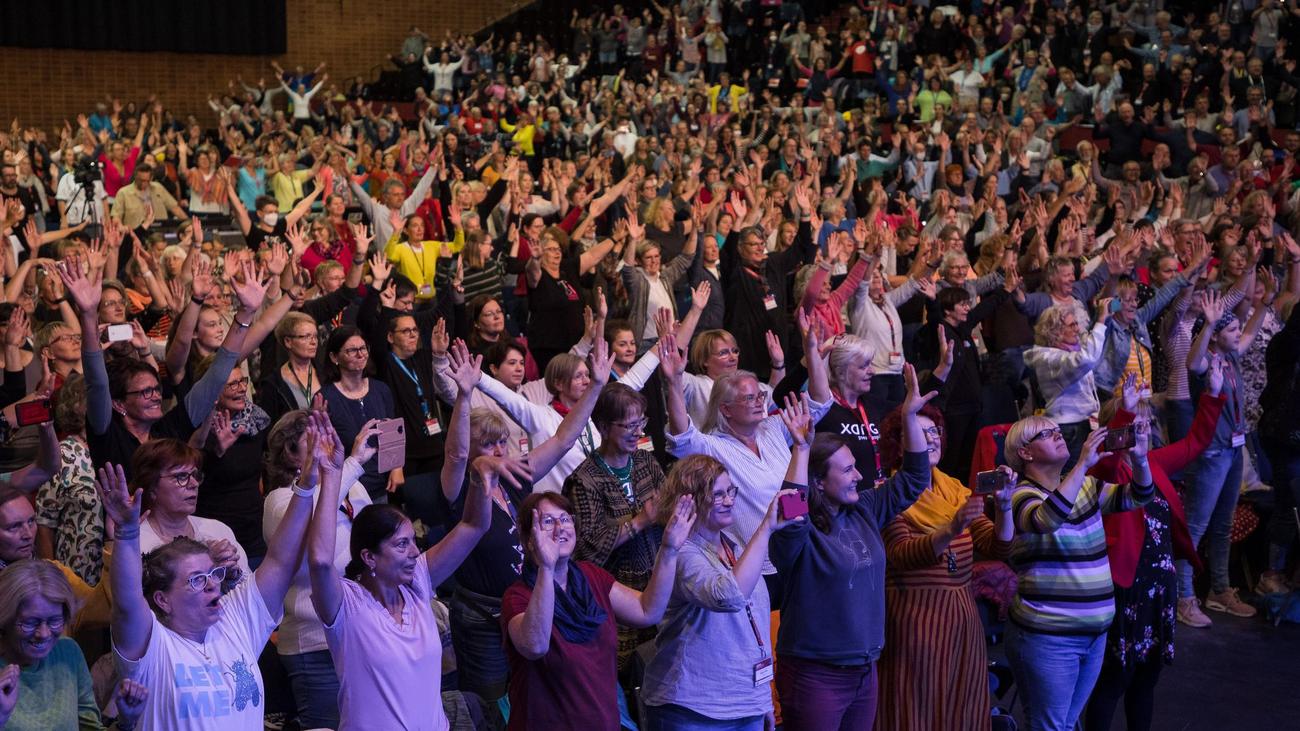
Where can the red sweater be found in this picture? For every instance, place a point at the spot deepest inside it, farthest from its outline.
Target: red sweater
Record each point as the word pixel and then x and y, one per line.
pixel 1126 532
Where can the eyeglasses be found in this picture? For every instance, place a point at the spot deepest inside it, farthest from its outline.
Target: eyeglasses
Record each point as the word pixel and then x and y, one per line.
pixel 236 385
pixel 1054 433
pixel 357 351
pixel 724 352
pixel 185 479
pixel 406 331
pixel 74 338
pixel 29 626
pixel 148 393
pixel 728 494
pixel 749 399
pixel 112 303
pixel 199 582
pixel 636 426
pixel 549 522
pixel 932 432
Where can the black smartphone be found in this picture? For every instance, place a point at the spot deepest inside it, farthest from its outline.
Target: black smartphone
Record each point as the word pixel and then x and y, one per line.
pixel 1119 439
pixel 990 481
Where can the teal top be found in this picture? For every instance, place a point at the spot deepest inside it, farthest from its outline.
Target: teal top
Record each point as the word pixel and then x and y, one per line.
pixel 55 694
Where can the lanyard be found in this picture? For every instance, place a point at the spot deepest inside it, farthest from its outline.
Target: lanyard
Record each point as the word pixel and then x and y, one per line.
pixel 1230 375
pixel 419 392
pixel 586 442
pixel 419 262
pixel 306 390
pixel 347 509
pixel 866 426
pixel 728 558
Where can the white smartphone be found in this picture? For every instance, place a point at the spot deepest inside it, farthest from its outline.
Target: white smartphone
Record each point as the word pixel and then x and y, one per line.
pixel 118 333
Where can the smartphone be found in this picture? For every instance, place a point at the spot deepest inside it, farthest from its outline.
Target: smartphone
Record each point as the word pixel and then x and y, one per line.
pixel 33 412
pixel 990 481
pixel 118 333
pixel 792 506
pixel 1119 439
pixel 1115 306
pixel 392 444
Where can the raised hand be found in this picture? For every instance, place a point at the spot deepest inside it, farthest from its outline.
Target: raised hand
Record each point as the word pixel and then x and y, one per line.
pixel 700 295
pixel 1214 377
pixel 797 417
pixel 362 447
pixel 672 361
pixel 328 451
pixel 1212 306
pixel 1129 391
pixel 439 340
pixel 1091 453
pixel 9 684
pixel 18 331
pixel 120 505
pixel 601 362
pixel 466 368
pixel 362 235
pixel 226 435
pixel 252 290
pixel 774 349
pixel 83 286
pixel 380 269
pixel 680 523
pixel 494 470
pixel 546 547
pixel 914 401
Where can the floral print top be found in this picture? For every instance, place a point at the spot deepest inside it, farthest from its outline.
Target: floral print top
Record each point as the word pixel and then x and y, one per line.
pixel 69 506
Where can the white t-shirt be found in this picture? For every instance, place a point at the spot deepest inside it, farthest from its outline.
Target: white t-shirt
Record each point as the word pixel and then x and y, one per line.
pixel 74 196
pixel 220 692
pixel 390 676
pixel 301 630
pixel 206 530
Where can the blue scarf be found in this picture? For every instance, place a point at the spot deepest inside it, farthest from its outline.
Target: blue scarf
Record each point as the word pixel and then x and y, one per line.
pixel 578 616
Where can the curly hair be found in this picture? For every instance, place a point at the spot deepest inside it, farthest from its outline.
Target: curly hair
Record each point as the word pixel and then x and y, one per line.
pixel 890 447
pixel 694 476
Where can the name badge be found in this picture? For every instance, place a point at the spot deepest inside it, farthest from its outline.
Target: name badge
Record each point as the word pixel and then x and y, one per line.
pixel 645 444
pixel 432 427
pixel 1238 439
pixel 763 672
pixel 769 302
pixel 426 289
pixel 895 359
pixel 524 446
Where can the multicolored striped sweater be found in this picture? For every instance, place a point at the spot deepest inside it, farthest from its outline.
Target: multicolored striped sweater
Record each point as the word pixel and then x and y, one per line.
pixel 1059 554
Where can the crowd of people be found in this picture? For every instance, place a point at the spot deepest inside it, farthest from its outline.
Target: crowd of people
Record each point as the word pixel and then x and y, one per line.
pixel 714 366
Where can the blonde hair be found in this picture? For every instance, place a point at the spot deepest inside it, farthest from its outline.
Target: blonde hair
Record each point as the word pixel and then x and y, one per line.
pixel 560 371
pixel 32 577
pixel 724 391
pixel 1047 329
pixel 1019 436
pixel 485 424
pixel 702 348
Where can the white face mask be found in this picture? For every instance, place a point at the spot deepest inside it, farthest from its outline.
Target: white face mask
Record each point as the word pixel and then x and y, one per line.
pixel 270 219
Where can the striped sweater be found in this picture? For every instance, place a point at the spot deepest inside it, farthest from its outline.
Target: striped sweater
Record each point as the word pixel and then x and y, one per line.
pixel 1059 554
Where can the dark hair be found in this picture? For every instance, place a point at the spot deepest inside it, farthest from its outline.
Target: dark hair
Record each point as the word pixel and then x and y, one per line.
pixel 404 287
pixel 615 402
pixel 891 435
pixel 120 373
pixel 528 219
pixel 155 455
pixel 264 200
pixel 614 327
pixel 823 447
pixel 375 524
pixel 497 352
pixel 159 570
pixel 531 503
pixel 475 309
pixel 334 346
pixel 950 297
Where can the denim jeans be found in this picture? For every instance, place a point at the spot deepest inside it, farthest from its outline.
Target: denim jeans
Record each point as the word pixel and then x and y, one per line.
pixel 670 717
pixel 1055 674
pixel 1213 484
pixel 315 688
pixel 480 658
pixel 820 697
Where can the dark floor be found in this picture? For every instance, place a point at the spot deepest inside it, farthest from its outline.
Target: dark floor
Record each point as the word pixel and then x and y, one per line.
pixel 1239 674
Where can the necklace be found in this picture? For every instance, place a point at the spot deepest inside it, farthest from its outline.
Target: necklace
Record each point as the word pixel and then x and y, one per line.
pixel 623 475
pixel 202 647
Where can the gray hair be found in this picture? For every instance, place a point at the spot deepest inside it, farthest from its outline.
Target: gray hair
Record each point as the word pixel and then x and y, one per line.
pixel 849 350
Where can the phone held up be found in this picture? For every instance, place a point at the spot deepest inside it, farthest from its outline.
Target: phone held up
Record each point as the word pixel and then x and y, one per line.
pixel 1119 439
pixel 793 506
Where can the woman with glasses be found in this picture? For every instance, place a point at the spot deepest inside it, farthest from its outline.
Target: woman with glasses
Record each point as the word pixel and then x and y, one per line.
pixel 560 618
pixel 327 243
pixel 416 258
pixel 171 472
pixel 1063 358
pixel 45 684
pixel 294 384
pixel 497 559
pixel 933 668
pixel 614 492
pixel 833 568
pixel 231 493
pixel 1064 599
pixel 487 327
pixel 1142 545
pixel 714 355
pixel 554 302
pixel 175 630
pixel 125 406
pixel 851 370
pixel 354 399
pixel 714 642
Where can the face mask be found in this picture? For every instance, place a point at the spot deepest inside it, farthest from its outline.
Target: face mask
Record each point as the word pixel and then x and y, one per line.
pixel 270 219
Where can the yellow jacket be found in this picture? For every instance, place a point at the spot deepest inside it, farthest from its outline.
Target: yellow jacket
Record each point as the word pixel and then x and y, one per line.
pixel 522 135
pixel 420 267
pixel 733 96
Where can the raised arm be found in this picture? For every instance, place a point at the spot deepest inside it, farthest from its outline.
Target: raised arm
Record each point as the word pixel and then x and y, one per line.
pixel 284 549
pixel 646 608
pixel 132 622
pixel 672 364
pixel 543 457
pixel 85 289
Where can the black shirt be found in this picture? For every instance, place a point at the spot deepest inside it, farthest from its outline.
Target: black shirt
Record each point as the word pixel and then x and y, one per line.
pixel 556 309
pixel 258 237
pixel 117 444
pixel 855 428
pixel 498 557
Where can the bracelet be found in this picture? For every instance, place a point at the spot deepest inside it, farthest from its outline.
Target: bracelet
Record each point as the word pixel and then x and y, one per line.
pixel 362 260
pixel 777 367
pixel 127 533
pixel 147 274
pixel 301 491
pixel 197 300
pixel 243 325
pixel 143 352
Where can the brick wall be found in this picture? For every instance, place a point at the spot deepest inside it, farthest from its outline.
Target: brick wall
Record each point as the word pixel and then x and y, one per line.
pixel 44 87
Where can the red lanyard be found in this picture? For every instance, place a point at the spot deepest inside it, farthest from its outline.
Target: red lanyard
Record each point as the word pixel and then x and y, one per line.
pixel 728 557
pixel 866 425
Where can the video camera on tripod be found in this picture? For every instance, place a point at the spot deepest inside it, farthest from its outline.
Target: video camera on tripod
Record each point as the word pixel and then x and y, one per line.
pixel 86 171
